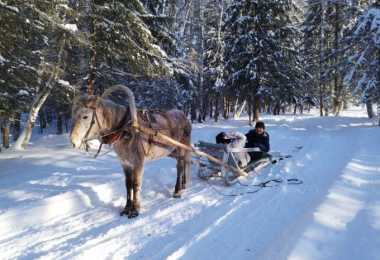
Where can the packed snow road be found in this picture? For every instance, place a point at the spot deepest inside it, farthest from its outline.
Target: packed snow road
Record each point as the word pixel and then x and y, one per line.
pixel 57 203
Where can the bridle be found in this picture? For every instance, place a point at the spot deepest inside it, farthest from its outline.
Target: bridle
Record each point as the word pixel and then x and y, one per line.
pixel 110 137
pixel 86 139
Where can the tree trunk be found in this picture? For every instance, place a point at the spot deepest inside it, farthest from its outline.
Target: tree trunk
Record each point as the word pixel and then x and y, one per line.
pixel 193 111
pixel 59 123
pixel 43 123
pixel 225 108
pixel 337 86
pixel 16 126
pixel 216 113
pixel 369 107
pixel 67 120
pixel 86 56
pixel 205 107
pixel 250 112
pixel 23 140
pixel 240 110
pixel 321 85
pixel 256 109
pixel 5 133
pixel 211 108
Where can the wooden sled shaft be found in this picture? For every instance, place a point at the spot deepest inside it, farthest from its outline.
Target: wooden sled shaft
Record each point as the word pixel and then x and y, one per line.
pixel 173 142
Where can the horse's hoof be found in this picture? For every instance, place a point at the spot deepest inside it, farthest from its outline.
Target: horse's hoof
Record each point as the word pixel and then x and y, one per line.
pixel 177 195
pixel 133 214
pixel 124 212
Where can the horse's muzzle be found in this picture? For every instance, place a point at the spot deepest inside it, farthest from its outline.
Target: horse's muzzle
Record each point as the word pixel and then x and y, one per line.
pixel 74 142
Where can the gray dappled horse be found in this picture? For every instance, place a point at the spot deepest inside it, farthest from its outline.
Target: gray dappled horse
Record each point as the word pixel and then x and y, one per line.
pixel 104 118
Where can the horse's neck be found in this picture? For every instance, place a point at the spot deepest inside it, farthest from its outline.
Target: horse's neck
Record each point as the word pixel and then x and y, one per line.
pixel 112 115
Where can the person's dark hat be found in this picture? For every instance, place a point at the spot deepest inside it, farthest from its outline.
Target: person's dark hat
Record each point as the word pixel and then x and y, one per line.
pixel 260 124
pixel 222 138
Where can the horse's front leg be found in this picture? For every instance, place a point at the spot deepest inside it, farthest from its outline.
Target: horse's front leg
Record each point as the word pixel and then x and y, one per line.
pixel 128 172
pixel 137 182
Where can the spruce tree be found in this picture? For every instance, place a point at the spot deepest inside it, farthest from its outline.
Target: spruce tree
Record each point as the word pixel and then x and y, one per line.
pixel 260 42
pixel 364 65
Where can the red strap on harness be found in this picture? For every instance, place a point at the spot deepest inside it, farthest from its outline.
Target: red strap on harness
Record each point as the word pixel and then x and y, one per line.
pixel 112 138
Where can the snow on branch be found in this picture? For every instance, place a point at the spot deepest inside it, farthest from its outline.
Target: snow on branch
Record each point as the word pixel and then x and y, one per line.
pixel 68 28
pixel 9 8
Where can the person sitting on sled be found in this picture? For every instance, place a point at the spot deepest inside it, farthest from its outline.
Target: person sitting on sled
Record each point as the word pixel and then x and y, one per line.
pixel 258 138
pixel 234 140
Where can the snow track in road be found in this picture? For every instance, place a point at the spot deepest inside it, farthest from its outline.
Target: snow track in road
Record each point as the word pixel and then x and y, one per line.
pixel 56 203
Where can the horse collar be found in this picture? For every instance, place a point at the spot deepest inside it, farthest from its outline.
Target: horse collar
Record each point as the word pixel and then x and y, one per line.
pixel 116 133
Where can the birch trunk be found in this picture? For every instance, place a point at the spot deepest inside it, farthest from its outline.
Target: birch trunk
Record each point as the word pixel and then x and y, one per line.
pixel 240 110
pixel 24 138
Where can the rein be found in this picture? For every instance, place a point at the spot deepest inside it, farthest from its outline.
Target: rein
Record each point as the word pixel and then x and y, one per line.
pixel 259 186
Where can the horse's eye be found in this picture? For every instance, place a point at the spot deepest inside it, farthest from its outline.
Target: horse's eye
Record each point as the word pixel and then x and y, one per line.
pixel 85 117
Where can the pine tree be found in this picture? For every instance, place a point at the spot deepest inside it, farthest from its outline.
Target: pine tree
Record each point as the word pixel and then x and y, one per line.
pixel 315 29
pixel 124 45
pixel 364 65
pixel 213 57
pixel 260 41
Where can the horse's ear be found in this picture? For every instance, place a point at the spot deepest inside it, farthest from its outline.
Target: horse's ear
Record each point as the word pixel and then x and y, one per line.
pixel 92 101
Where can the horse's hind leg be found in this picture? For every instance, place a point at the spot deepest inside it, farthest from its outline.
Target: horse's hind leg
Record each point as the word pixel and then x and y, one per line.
pixel 180 176
pixel 187 158
pixel 183 172
pixel 187 169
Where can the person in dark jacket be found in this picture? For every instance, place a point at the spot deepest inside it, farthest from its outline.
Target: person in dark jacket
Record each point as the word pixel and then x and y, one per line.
pixel 258 138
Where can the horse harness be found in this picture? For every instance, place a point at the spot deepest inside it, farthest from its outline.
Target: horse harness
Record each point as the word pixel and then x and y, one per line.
pixel 148 116
pixel 124 128
pixel 110 137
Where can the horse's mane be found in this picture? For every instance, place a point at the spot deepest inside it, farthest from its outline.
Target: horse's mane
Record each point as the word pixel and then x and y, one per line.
pixel 123 96
pixel 117 95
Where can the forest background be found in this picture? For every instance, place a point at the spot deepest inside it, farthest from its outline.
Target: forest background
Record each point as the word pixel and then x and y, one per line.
pixel 211 58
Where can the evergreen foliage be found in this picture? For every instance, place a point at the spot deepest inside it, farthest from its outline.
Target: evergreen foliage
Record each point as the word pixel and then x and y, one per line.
pixel 209 58
pixel 363 74
pixel 262 58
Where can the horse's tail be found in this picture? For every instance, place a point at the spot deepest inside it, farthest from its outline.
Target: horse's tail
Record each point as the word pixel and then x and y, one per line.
pixel 131 99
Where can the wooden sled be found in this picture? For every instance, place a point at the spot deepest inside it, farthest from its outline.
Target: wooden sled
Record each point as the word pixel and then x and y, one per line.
pixel 208 169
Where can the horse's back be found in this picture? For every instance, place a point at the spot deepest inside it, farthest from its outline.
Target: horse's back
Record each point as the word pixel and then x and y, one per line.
pixel 172 120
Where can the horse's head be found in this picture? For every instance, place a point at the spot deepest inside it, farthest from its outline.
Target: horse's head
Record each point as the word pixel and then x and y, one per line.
pixel 84 120
pixel 93 115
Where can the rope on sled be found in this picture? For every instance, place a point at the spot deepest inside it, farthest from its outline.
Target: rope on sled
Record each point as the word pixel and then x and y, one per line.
pixel 259 186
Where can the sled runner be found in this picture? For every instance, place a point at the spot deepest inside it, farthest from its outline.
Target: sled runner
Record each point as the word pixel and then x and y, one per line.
pixel 208 169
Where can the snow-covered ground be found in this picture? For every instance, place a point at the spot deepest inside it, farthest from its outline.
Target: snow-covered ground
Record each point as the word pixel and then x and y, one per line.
pixel 58 203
